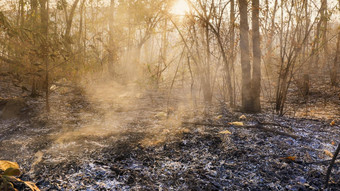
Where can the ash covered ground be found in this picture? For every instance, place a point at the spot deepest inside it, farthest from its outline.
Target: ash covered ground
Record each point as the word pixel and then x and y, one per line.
pixel 113 137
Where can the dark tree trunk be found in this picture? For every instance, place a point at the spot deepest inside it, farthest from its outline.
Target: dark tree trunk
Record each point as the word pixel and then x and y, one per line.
pixel 245 59
pixel 256 77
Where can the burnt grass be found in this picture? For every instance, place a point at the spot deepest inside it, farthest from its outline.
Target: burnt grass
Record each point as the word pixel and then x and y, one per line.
pixel 199 158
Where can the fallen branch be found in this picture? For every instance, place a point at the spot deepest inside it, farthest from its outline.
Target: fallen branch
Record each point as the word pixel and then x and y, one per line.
pixel 273 124
pixel 329 170
pixel 323 162
pixel 257 126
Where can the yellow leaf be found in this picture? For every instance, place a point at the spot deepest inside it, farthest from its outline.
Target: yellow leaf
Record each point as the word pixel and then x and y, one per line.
pixel 4 165
pixel 218 117
pixel 333 143
pixel 328 153
pixel 332 123
pixel 237 123
pixel 10 168
pixel 225 132
pixel 243 117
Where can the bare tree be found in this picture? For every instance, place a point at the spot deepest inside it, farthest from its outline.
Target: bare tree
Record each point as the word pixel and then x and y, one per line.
pixel 111 48
pixel 256 77
pixel 44 17
pixel 69 20
pixel 335 67
pixel 245 57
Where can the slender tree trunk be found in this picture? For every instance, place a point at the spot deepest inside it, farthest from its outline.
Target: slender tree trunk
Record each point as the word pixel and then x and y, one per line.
pixel 232 91
pixel 316 44
pixel 335 67
pixel 34 12
pixel 207 81
pixel 22 13
pixel 44 47
pixel 324 18
pixel 163 53
pixel 306 70
pixel 80 60
pixel 111 56
pixel 69 21
pixel 256 77
pixel 245 58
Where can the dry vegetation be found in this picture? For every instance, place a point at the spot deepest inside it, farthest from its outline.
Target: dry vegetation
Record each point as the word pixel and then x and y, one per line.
pixel 169 95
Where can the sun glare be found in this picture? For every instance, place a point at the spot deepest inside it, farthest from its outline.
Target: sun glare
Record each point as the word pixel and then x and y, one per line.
pixel 180 7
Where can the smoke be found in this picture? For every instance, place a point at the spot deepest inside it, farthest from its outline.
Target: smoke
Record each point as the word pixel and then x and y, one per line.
pixel 124 112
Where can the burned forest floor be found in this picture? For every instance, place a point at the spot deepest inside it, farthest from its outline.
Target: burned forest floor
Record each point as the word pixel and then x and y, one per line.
pixel 122 137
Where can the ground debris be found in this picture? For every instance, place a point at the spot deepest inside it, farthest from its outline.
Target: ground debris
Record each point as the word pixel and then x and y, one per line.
pixel 107 143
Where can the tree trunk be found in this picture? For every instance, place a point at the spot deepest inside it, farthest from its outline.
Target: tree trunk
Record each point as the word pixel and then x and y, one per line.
pixel 22 13
pixel 44 46
pixel 231 90
pixel 306 70
pixel 256 77
pixel 162 60
pixel 207 81
pixel 245 59
pixel 34 10
pixel 324 18
pixel 111 49
pixel 69 21
pixel 335 67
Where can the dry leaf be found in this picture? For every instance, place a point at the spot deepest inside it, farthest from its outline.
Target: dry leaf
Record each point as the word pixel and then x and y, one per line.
pixel 12 172
pixel 4 165
pixel 237 123
pixel 184 131
pixel 243 117
pixel 161 115
pixel 332 123
pixel 328 153
pixel 218 117
pixel 293 158
pixel 333 143
pixel 31 185
pixel 225 132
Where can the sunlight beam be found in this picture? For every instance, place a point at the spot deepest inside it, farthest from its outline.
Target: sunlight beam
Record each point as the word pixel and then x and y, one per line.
pixel 180 7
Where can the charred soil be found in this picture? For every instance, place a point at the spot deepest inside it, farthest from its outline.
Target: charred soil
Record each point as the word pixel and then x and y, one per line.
pixel 128 139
